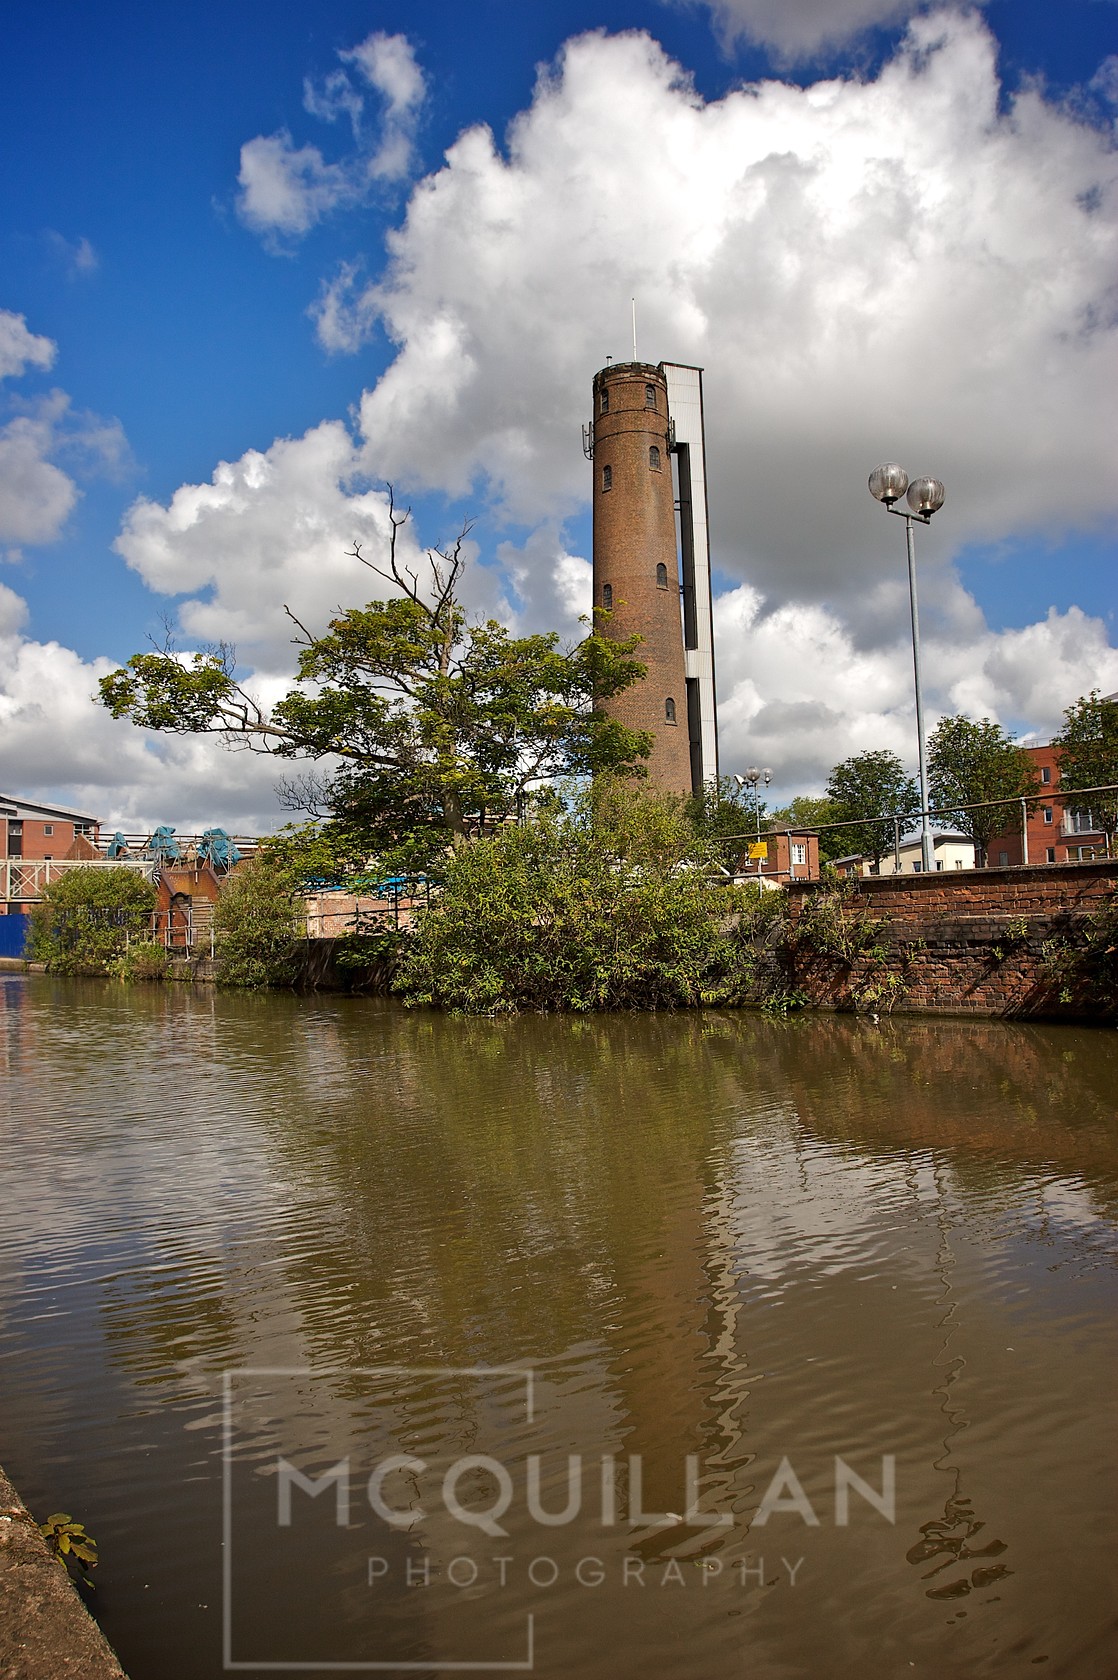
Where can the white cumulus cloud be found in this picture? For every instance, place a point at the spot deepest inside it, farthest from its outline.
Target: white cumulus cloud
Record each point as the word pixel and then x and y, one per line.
pixel 896 268
pixel 57 744
pixel 286 189
pixel 36 493
pixel 35 496
pixel 20 348
pixel 799 693
pixel 801 29
pixel 269 530
pixel 913 266
pixel 387 63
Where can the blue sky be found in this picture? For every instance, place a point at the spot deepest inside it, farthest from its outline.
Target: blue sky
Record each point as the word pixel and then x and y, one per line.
pixel 226 227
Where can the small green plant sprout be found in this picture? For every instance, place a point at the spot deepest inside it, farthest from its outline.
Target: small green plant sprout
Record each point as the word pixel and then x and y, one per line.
pixel 75 1550
pixel 879 995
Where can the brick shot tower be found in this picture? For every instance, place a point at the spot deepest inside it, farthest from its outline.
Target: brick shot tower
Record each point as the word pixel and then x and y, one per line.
pixel 653 577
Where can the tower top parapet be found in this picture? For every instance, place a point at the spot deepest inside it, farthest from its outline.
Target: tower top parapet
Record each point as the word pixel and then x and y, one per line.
pixel 629 370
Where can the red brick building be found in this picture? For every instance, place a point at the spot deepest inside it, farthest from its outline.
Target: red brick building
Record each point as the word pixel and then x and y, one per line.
pixel 1060 830
pixel 32 830
pixel 789 855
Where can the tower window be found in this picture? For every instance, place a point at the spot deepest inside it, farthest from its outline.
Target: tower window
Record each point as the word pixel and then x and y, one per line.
pixel 654 458
pixel 661 576
pixel 669 710
pixel 607 478
pixel 1046 772
pixel 607 596
pixel 605 400
pixel 650 396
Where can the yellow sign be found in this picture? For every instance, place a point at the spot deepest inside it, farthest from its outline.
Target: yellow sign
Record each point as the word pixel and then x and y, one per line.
pixel 759 849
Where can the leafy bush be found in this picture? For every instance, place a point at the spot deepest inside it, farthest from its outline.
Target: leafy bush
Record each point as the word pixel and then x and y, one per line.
pixel 145 961
pixel 258 923
pixel 606 905
pixel 342 854
pixel 88 918
pixel 368 950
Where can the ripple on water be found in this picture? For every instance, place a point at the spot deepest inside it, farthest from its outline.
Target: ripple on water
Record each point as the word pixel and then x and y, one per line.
pixel 742 1240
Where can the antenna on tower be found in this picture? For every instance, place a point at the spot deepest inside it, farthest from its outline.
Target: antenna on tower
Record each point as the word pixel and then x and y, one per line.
pixel 633 301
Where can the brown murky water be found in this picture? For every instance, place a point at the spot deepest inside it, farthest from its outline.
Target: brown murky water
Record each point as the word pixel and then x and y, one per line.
pixel 585 1348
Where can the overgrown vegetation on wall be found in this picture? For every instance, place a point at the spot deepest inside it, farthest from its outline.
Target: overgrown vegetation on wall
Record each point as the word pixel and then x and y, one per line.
pixel 258 923
pixel 605 905
pixel 1083 959
pixel 88 918
pixel 145 960
pixel 836 939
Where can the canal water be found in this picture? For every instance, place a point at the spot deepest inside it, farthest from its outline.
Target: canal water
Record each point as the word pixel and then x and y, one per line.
pixel 698 1345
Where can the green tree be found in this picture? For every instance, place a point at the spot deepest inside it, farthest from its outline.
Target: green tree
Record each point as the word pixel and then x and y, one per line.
pixel 608 904
pixel 88 917
pixel 1088 744
pixel 815 811
pixel 259 920
pixel 969 763
pixel 320 853
pixel 871 790
pixel 724 809
pixel 431 716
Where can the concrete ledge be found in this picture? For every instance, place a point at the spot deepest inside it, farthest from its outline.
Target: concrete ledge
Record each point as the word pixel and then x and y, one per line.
pixel 192 968
pixel 46 1632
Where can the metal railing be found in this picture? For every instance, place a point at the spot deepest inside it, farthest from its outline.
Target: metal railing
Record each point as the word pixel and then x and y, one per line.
pixel 1079 822
pixel 182 928
pixel 389 906
pixel 22 880
pixel 902 822
pixel 188 849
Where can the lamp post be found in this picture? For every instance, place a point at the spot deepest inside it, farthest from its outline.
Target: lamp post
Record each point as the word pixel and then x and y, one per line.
pixel 925 496
pixel 751 778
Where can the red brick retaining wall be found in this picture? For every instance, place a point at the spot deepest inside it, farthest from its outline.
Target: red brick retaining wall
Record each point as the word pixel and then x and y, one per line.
pixel 976 942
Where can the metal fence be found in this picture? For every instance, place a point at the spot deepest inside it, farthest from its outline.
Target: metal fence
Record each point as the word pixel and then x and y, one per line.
pixel 1017 809
pixel 386 906
pixel 185 927
pixel 22 880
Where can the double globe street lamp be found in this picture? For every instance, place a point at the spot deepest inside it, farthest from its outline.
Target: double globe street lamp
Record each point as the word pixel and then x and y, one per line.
pixel 924 496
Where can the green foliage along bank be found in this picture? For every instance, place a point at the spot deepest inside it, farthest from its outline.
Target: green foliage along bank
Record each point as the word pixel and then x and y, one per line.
pixel 259 921
pixel 606 905
pixel 88 919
